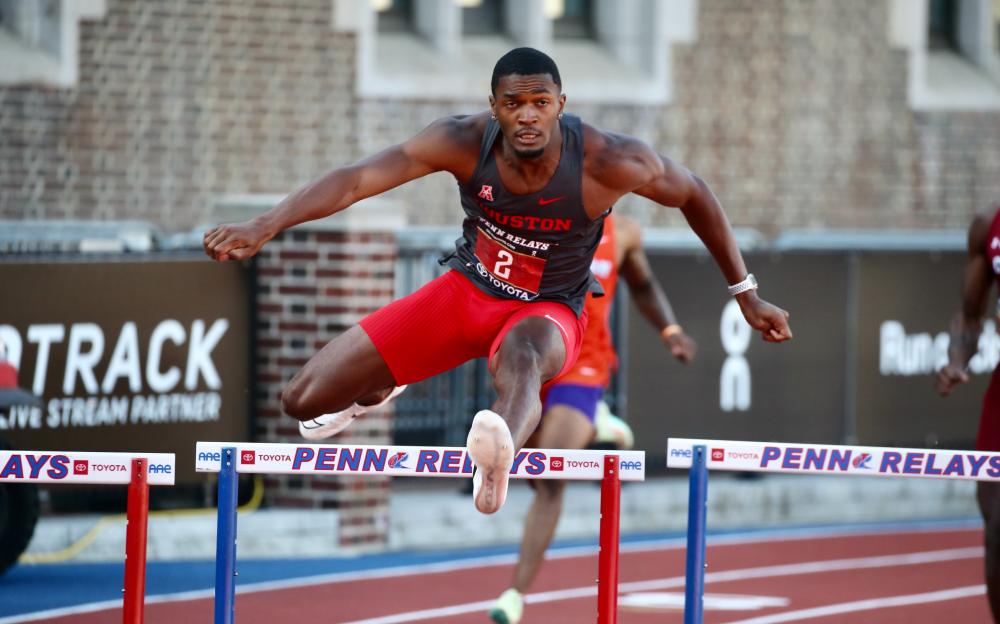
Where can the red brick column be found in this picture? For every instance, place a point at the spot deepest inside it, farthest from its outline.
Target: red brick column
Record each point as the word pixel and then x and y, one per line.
pixel 314 282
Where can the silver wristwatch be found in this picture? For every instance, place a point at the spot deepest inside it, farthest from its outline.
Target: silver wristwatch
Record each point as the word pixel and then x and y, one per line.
pixel 748 283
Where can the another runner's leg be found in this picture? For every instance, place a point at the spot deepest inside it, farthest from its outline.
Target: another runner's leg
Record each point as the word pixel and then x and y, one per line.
pixel 563 427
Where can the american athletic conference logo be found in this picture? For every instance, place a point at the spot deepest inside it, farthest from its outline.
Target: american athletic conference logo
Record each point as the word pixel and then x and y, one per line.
pixel 397 460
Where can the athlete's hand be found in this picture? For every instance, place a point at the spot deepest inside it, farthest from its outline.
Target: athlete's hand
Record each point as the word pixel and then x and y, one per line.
pixel 681 346
pixel 234 241
pixel 950 376
pixel 770 320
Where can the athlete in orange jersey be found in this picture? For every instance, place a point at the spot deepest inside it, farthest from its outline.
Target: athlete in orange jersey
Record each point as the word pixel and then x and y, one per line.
pixel 568 421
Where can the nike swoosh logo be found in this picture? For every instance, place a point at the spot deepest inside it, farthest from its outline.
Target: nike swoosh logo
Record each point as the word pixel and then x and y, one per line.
pixel 544 202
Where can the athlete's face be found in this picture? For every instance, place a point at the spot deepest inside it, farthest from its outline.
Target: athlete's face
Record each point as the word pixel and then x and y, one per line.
pixel 527 108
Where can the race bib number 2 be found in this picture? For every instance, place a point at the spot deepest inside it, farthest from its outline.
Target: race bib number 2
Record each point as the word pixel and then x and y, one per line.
pixel 510 267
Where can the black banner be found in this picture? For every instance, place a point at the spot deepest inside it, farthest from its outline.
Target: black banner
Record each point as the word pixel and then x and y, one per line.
pixel 141 355
pixel 868 336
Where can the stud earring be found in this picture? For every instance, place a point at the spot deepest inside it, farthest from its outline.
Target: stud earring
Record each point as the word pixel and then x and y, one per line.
pixel 493 116
pixel 560 115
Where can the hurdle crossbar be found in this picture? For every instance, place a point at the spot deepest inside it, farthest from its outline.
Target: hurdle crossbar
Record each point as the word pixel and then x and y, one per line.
pixel 136 470
pixel 231 458
pixel 700 456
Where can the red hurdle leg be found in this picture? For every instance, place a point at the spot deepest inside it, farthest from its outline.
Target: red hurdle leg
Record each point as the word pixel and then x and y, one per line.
pixel 135 544
pixel 607 562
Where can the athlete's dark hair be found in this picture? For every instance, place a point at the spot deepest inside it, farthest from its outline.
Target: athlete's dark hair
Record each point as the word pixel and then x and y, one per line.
pixel 524 62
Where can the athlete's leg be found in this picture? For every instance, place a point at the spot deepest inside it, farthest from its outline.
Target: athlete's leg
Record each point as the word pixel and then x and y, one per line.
pixel 348 369
pixel 563 427
pixel 536 344
pixel 988 497
pixel 410 339
pixel 532 352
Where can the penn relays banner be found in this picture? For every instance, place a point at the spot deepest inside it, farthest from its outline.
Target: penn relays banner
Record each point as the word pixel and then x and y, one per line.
pixel 836 459
pixel 83 467
pixel 413 461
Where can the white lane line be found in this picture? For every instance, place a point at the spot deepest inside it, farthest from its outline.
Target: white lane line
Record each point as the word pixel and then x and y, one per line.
pixel 64 611
pixel 91 607
pixel 732 539
pixel 868 605
pixel 673 601
pixel 812 567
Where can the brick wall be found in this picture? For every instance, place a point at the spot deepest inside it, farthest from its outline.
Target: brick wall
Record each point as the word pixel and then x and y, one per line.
pixel 797 114
pixel 178 103
pixel 314 284
pixel 794 111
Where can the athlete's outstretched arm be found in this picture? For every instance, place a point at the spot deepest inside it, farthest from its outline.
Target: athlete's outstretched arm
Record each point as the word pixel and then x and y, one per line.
pixel 646 292
pixel 967 323
pixel 431 150
pixel 658 178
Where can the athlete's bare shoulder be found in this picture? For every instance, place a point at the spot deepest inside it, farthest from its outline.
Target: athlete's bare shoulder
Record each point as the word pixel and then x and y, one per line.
pixel 619 161
pixel 453 142
pixel 465 129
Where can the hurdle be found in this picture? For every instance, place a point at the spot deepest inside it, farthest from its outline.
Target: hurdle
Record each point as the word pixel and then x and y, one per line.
pixel 136 470
pixel 230 458
pixel 701 456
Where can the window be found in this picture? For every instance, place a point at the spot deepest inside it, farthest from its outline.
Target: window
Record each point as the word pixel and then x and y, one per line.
pixel 39 39
pixel 996 26
pixel 954 62
pixel 394 15
pixel 481 17
pixel 941 32
pixel 576 21
pixel 35 24
pixel 410 48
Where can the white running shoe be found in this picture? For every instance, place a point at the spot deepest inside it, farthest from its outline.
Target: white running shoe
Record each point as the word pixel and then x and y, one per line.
pixel 491 449
pixel 612 429
pixel 508 607
pixel 327 425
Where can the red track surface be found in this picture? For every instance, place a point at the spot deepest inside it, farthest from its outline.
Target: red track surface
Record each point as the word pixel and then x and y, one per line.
pixel 745 567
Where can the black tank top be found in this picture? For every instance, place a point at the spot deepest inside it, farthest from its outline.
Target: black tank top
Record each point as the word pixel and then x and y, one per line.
pixel 534 247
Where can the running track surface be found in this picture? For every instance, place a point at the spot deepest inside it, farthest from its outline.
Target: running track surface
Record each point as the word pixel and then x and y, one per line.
pixel 904 574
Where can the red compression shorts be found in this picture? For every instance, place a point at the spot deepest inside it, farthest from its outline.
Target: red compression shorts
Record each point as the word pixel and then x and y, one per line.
pixel 988 438
pixel 450 321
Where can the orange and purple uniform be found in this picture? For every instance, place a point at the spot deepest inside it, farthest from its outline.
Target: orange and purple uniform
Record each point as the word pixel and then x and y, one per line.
pixel 583 385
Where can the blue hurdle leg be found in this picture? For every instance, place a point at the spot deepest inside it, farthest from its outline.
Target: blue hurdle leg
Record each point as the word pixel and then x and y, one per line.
pixel 225 545
pixel 694 584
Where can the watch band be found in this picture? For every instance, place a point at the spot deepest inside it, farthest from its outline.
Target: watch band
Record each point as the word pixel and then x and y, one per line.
pixel 748 283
